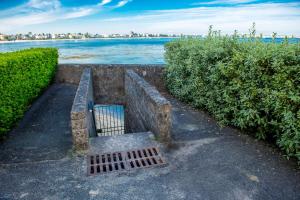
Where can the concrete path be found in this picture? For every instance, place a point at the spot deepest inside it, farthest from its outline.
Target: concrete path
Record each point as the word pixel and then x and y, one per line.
pixel 205 162
pixel 44 132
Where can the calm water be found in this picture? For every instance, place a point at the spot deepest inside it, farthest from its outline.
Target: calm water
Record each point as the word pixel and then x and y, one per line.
pixel 106 51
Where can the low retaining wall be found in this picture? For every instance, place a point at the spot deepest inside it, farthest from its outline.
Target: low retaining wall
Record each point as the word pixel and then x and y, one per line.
pixel 146 109
pixel 109 80
pixel 81 119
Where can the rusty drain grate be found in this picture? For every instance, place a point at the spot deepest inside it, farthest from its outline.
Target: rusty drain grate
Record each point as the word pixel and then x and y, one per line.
pixel 127 160
pixel 107 162
pixel 144 158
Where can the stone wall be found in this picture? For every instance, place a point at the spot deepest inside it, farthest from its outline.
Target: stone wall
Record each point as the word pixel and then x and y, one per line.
pixel 109 80
pixel 146 109
pixel 81 118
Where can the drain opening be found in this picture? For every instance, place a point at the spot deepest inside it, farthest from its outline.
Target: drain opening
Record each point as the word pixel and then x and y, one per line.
pixel 108 162
pixel 109 120
pixel 127 160
pixel 144 158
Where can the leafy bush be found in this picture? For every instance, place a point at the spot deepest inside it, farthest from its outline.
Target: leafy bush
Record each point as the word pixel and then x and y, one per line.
pixel 246 83
pixel 23 75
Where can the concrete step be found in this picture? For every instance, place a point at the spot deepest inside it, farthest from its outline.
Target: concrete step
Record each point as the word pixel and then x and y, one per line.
pixel 122 142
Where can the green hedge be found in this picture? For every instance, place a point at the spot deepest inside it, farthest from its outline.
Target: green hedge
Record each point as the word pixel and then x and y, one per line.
pixel 23 76
pixel 249 84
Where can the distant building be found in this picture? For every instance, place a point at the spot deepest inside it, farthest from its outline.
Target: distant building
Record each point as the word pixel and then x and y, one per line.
pixel 133 34
pixel 36 37
pixel 2 36
pixel 29 35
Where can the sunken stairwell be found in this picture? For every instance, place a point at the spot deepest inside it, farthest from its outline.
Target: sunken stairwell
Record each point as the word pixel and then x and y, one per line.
pixel 116 100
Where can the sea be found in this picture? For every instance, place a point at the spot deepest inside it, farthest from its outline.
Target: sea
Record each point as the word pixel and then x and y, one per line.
pixel 106 51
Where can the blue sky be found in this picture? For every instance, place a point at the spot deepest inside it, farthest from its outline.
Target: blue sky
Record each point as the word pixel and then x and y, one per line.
pixel 151 16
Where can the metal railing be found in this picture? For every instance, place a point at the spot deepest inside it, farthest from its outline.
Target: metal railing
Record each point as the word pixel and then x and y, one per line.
pixel 109 120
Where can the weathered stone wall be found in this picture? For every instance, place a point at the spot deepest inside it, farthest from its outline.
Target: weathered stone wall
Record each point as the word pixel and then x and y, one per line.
pixel 109 80
pixel 81 119
pixel 109 85
pixel 146 109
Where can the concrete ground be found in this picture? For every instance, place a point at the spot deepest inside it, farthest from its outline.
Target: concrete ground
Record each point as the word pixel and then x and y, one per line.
pixel 44 132
pixel 205 161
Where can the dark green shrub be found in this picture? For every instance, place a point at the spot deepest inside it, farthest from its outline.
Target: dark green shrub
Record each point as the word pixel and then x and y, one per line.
pixel 23 75
pixel 247 83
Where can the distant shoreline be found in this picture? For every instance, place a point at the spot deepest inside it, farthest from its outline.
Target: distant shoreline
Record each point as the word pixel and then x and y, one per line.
pixel 116 38
pixel 54 40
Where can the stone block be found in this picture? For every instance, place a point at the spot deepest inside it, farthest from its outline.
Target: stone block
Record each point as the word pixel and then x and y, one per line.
pixel 79 124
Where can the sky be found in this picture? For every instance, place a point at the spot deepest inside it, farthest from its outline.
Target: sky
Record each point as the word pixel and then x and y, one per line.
pixel 149 16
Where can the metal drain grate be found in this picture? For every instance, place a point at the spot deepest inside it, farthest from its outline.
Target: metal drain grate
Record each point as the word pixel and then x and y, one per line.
pixel 98 164
pixel 144 158
pixel 127 160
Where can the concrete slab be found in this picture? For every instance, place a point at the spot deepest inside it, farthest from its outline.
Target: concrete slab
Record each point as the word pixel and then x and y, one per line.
pixel 122 142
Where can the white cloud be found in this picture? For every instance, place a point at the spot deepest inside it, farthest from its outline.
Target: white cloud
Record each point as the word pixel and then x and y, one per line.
pixel 215 2
pixel 122 3
pixel 43 4
pixel 79 13
pixel 104 2
pixel 282 18
pixel 44 11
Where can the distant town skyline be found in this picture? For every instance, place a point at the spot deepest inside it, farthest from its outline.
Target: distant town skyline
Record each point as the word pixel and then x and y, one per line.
pixel 53 36
pixel 155 16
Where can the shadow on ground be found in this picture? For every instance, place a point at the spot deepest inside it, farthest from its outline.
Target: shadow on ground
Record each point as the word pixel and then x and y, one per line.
pixel 44 132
